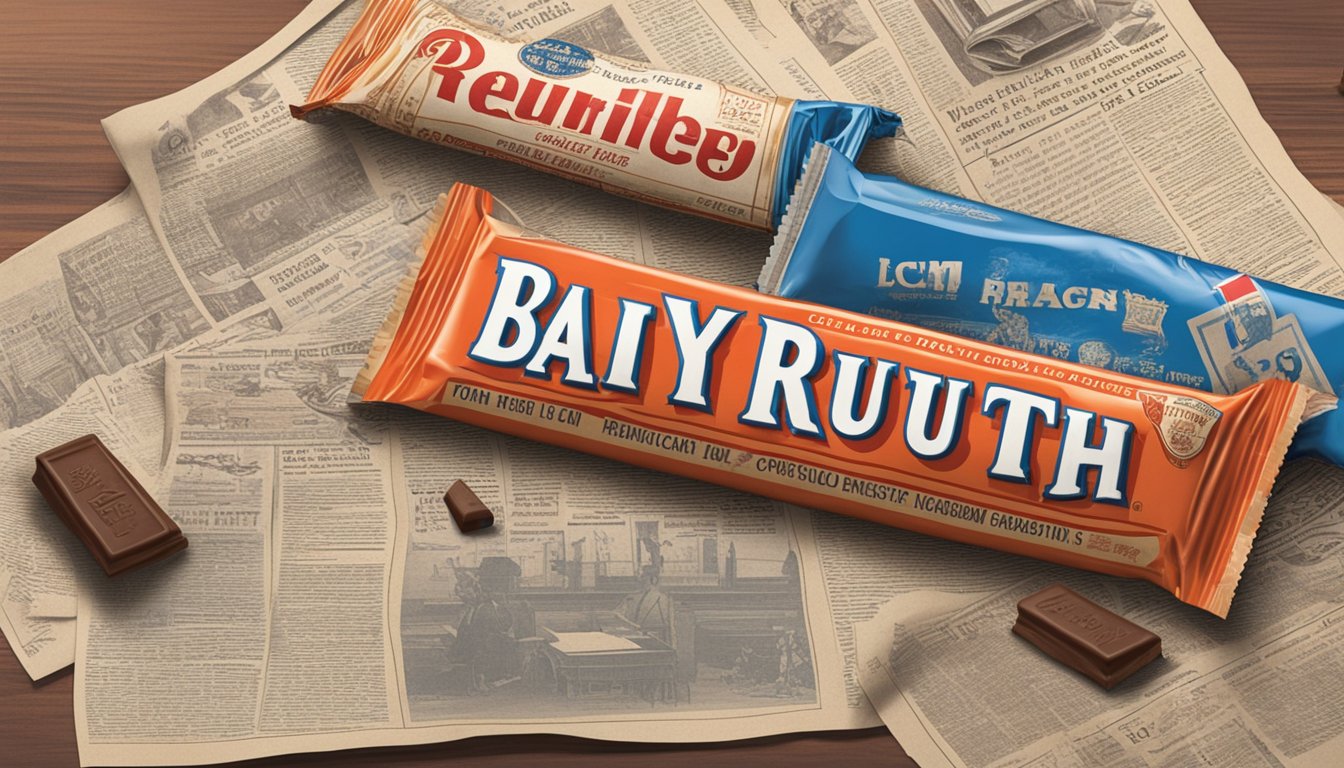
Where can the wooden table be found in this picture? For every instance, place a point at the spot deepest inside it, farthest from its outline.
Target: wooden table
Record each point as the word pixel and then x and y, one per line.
pixel 64 64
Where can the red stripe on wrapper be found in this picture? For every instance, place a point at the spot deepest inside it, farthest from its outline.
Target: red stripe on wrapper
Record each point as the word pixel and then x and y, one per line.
pixel 1237 287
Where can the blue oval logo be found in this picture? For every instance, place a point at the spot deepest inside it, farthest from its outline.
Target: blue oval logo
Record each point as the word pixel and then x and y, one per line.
pixel 556 58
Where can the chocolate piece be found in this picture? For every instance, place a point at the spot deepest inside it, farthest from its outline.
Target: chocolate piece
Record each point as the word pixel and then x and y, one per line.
pixel 469 512
pixel 105 506
pixel 1081 634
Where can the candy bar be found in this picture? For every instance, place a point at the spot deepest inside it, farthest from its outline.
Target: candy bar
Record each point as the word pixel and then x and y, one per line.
pixel 878 245
pixel 1082 635
pixel 832 409
pixel 105 506
pixel 467 509
pixel 675 140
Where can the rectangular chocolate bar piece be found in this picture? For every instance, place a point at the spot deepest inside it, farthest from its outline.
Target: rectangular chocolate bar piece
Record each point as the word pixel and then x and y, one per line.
pixel 469 512
pixel 1081 634
pixel 105 506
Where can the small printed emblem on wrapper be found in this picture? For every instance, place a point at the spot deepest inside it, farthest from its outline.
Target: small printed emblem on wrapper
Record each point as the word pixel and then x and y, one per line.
pixel 1143 315
pixel 1183 423
pixel 556 58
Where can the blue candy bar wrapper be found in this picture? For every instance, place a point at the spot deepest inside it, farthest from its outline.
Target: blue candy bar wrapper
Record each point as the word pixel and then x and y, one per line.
pixel 878 245
pixel 841 126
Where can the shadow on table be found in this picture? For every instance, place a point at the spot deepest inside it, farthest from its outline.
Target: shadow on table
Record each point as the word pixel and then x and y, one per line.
pixel 873 746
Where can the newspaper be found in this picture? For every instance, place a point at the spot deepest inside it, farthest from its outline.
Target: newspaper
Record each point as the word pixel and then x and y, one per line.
pixel 98 302
pixel 1145 132
pixel 86 314
pixel 957 688
pixel 66 316
pixel 42 560
pixel 328 601
pixel 265 217
pixel 262 220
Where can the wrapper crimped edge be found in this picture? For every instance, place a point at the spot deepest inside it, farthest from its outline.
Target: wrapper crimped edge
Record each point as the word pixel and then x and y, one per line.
pixel 795 214
pixel 380 23
pixel 1305 400
pixel 382 341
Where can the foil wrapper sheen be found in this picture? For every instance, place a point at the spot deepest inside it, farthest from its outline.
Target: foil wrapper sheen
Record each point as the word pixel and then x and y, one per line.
pixel 836 410
pixel 877 245
pixel 676 140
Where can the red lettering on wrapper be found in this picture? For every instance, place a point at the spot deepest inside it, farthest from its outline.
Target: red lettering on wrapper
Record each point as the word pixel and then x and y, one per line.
pixel 457 52
pixel 676 139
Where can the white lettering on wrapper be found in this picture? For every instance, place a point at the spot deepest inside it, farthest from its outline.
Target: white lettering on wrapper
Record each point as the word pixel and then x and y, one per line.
pixel 789 356
pixel 849 378
pixel 627 352
pixel 1076 455
pixel 790 366
pixel 568 337
pixel 521 288
pixel 924 391
pixel 1012 457
pixel 695 348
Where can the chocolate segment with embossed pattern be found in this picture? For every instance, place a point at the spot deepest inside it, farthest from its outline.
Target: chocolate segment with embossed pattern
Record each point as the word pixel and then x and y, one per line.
pixel 469 512
pixel 105 506
pixel 1081 634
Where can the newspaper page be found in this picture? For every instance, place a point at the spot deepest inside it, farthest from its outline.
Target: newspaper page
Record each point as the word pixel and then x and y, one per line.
pixel 107 296
pixel 268 221
pixel 328 601
pixel 957 688
pixel 288 225
pixel 43 560
pixel 102 299
pixel 1120 116
pixel 1141 130
pixel 93 298
pixel 96 304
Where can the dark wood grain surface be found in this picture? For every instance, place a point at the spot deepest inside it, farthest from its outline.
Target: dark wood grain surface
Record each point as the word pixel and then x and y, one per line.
pixel 65 64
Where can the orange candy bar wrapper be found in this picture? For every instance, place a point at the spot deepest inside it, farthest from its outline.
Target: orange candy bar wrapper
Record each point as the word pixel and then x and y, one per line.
pixel 834 410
